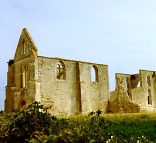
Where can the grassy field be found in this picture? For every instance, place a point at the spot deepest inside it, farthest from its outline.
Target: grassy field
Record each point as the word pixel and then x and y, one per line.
pixel 130 117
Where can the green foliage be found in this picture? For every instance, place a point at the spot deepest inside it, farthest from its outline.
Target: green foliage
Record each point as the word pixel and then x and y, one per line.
pixel 2 126
pixel 23 124
pixel 34 125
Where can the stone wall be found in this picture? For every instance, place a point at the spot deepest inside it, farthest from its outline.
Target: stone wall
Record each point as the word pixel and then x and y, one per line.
pixel 77 93
pixel 26 93
pixel 59 93
pixel 10 88
pixel 94 94
pixel 21 86
pixel 140 88
pixel 121 103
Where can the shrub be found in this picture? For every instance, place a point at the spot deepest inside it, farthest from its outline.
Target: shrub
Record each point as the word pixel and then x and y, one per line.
pixel 22 124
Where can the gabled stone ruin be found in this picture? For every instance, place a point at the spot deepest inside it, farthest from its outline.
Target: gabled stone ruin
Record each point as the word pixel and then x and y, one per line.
pixel 69 87
pixel 73 87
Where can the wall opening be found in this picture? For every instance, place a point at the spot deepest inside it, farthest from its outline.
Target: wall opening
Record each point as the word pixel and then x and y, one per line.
pixel 127 81
pixel 148 80
pixel 23 46
pixel 94 74
pixel 24 76
pixel 125 84
pixel 60 71
pixel 149 97
pixel 133 81
pixel 22 103
pixel 139 84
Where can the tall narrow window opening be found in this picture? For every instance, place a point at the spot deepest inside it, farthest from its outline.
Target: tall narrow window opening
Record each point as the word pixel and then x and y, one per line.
pixel 139 84
pixel 127 80
pixel 149 97
pixel 125 84
pixel 94 74
pixel 148 80
pixel 61 73
pixel 23 46
pixel 24 76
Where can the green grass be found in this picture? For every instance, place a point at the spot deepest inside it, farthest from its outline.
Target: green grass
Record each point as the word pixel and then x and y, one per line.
pixel 130 117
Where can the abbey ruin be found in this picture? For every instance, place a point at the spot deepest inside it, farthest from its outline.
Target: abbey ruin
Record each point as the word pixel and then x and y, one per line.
pixel 73 87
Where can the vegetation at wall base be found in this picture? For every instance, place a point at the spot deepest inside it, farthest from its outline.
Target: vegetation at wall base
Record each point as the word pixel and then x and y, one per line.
pixel 35 125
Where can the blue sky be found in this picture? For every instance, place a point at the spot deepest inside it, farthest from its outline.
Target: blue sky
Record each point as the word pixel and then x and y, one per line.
pixel 120 33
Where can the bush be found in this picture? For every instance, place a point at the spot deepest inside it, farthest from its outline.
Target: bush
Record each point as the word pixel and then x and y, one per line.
pixel 23 124
pixel 2 126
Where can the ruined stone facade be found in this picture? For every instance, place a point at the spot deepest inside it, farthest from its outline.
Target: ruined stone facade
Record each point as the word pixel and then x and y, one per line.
pixel 72 87
pixel 139 89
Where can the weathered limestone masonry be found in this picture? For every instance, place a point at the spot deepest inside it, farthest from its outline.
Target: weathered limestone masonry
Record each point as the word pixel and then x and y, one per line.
pixel 134 93
pixel 70 87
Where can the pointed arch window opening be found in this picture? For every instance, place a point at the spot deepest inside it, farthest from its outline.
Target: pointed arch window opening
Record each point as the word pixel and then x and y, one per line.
pixel 94 74
pixel 60 71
